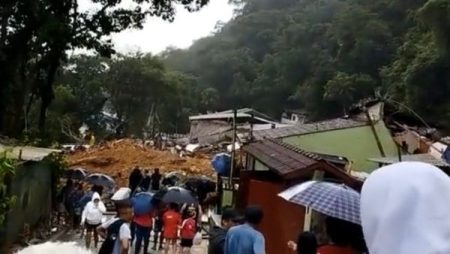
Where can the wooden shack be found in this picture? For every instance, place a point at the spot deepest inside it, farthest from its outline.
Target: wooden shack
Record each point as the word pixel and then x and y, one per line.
pixel 271 167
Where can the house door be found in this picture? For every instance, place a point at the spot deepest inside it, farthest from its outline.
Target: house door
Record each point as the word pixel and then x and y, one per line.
pixel 283 221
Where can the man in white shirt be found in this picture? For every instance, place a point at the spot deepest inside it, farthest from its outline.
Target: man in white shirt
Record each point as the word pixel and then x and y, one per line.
pixel 123 242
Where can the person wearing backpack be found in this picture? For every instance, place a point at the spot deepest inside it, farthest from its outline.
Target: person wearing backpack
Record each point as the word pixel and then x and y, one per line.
pixel 117 231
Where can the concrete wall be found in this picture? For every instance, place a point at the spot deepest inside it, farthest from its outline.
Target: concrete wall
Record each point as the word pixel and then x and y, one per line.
pixel 32 187
pixel 356 144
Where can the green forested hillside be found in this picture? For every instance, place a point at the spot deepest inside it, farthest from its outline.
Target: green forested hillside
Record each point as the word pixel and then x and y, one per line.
pixel 318 55
pixel 323 55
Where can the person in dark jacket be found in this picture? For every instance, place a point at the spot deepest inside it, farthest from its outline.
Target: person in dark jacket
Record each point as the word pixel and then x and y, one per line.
pixel 145 184
pixel 218 234
pixel 135 179
pixel 156 179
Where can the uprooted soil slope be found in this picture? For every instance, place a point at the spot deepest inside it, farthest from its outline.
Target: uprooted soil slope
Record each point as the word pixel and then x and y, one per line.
pixel 118 158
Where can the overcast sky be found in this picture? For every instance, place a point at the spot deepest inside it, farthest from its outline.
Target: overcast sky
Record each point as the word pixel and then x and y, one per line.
pixel 157 34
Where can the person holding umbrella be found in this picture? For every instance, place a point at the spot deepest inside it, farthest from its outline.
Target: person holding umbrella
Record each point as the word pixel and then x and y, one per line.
pixel 306 244
pixel 341 206
pixel 346 237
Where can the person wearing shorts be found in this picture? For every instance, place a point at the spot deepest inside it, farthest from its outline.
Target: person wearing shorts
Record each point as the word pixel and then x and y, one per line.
pixel 92 217
pixel 157 230
pixel 187 232
pixel 171 222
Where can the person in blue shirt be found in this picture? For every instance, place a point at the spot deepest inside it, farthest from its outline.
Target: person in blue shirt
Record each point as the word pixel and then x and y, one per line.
pixel 245 239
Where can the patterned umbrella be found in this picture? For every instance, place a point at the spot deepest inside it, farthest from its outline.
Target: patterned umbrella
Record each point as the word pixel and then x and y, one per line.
pixel 334 200
pixel 100 179
pixel 75 173
pixel 179 196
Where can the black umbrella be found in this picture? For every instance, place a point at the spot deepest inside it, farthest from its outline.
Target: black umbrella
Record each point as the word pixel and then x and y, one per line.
pixel 171 179
pixel 100 179
pixel 179 195
pixel 75 174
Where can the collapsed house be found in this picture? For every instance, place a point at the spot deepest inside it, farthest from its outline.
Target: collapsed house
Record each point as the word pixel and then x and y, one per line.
pixel 356 138
pixel 218 127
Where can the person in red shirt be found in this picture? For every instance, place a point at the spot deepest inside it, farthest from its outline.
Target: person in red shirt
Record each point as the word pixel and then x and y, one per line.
pixel 346 238
pixel 143 224
pixel 171 222
pixel 188 229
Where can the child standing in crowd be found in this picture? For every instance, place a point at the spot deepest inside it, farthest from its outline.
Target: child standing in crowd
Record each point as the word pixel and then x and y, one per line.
pixel 158 228
pixel 171 222
pixel 187 231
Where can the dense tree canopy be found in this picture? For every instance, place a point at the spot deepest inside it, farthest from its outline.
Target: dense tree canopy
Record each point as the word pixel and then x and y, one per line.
pixel 36 34
pixel 319 55
pixel 324 55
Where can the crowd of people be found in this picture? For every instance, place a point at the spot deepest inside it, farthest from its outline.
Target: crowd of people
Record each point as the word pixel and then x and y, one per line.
pixel 174 228
pixel 403 211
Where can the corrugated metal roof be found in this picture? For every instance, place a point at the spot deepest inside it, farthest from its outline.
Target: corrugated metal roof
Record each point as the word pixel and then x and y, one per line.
pixel 228 114
pixel 27 153
pixel 427 158
pixel 280 157
pixel 333 124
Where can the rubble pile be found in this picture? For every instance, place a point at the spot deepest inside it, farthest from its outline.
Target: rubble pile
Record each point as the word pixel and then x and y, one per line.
pixel 118 158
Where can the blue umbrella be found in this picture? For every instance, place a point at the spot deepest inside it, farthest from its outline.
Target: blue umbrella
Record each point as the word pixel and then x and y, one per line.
pixel 142 202
pixel 221 163
pixel 334 200
pixel 100 179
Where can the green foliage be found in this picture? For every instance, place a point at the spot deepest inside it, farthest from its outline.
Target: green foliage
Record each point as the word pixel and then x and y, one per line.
pixel 57 163
pixel 323 56
pixel 345 88
pixel 36 34
pixel 7 168
pixel 141 92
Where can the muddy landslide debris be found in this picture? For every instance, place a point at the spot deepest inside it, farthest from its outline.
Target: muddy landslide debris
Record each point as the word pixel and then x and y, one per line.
pixel 118 158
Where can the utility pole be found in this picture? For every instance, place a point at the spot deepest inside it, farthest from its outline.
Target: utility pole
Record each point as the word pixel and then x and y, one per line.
pixel 374 131
pixel 233 154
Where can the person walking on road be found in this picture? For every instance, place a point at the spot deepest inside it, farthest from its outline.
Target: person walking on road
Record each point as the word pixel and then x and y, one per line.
pixel 245 239
pixel 92 217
